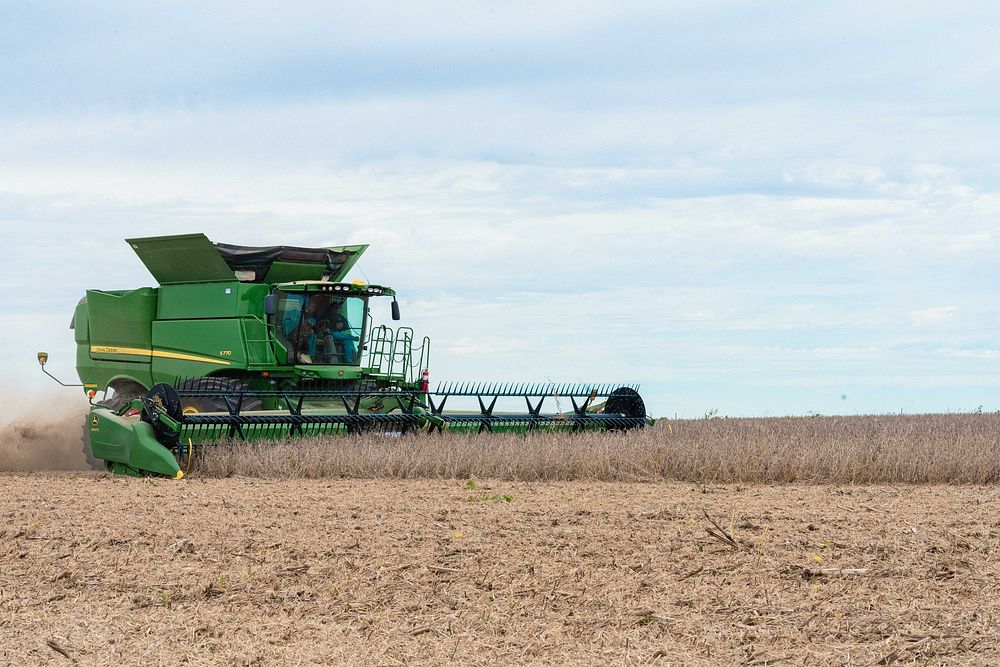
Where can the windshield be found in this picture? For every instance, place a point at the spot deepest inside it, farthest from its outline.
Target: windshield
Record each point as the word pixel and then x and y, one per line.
pixel 320 328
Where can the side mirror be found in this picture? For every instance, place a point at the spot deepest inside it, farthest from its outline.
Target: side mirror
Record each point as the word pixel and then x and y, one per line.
pixel 395 309
pixel 270 304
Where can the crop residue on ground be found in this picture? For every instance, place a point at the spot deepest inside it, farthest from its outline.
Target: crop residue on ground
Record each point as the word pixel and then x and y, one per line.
pixel 242 571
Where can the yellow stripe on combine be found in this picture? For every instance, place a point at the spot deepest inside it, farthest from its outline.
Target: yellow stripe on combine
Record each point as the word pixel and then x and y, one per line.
pixel 190 357
pixel 163 354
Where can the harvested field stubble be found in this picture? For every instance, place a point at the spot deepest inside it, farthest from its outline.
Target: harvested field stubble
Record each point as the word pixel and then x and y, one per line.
pixel 99 571
pixel 945 448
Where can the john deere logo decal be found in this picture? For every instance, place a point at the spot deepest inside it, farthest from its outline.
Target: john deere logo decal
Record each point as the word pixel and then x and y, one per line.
pixel 93 420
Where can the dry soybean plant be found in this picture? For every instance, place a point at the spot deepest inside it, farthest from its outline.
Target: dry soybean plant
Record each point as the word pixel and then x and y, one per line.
pixel 944 448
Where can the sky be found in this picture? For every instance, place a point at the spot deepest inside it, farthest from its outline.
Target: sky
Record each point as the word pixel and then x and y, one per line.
pixel 766 208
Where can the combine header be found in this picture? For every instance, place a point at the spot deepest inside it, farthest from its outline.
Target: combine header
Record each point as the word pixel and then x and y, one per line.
pixel 266 343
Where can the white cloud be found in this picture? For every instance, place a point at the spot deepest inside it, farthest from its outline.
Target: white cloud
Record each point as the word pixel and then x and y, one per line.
pixel 934 317
pixel 984 355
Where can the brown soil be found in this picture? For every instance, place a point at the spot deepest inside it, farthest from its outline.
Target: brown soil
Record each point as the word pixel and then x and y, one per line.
pixel 100 570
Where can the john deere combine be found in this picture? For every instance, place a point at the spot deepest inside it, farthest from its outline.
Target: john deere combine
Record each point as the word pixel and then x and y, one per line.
pixel 250 343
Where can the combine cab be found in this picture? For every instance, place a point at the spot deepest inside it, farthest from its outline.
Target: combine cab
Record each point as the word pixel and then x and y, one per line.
pixel 250 343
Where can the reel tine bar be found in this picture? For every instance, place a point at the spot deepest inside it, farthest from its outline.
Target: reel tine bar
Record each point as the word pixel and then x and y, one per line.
pixel 529 390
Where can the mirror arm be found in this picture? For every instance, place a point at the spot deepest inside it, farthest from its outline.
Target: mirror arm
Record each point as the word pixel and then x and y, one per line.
pixel 43 357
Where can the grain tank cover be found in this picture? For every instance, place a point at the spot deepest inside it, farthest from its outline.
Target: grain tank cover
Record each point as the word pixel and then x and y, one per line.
pixel 187 258
pixel 193 258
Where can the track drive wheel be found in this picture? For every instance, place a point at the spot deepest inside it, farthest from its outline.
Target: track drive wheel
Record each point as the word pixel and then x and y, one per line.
pixel 220 386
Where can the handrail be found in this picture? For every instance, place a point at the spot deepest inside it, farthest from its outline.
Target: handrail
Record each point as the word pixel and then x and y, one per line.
pixel 424 358
pixel 392 352
pixel 402 351
pixel 379 357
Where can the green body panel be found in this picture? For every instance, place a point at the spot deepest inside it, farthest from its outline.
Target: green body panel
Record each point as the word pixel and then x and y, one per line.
pixel 331 372
pixel 212 300
pixel 121 319
pixel 129 442
pixel 99 375
pixel 184 258
pixel 109 321
pixel 81 322
pixel 190 348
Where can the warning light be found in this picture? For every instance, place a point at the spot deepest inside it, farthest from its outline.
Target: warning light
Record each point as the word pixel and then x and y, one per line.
pixel 266 374
pixel 91 393
pixel 43 357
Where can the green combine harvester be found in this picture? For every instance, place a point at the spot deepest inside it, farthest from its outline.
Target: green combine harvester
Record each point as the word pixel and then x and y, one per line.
pixel 255 343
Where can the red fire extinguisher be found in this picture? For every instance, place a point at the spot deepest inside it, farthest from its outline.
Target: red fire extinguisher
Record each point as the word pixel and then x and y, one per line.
pixel 425 381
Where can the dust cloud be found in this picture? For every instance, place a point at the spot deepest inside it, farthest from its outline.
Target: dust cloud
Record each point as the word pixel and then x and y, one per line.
pixel 42 431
